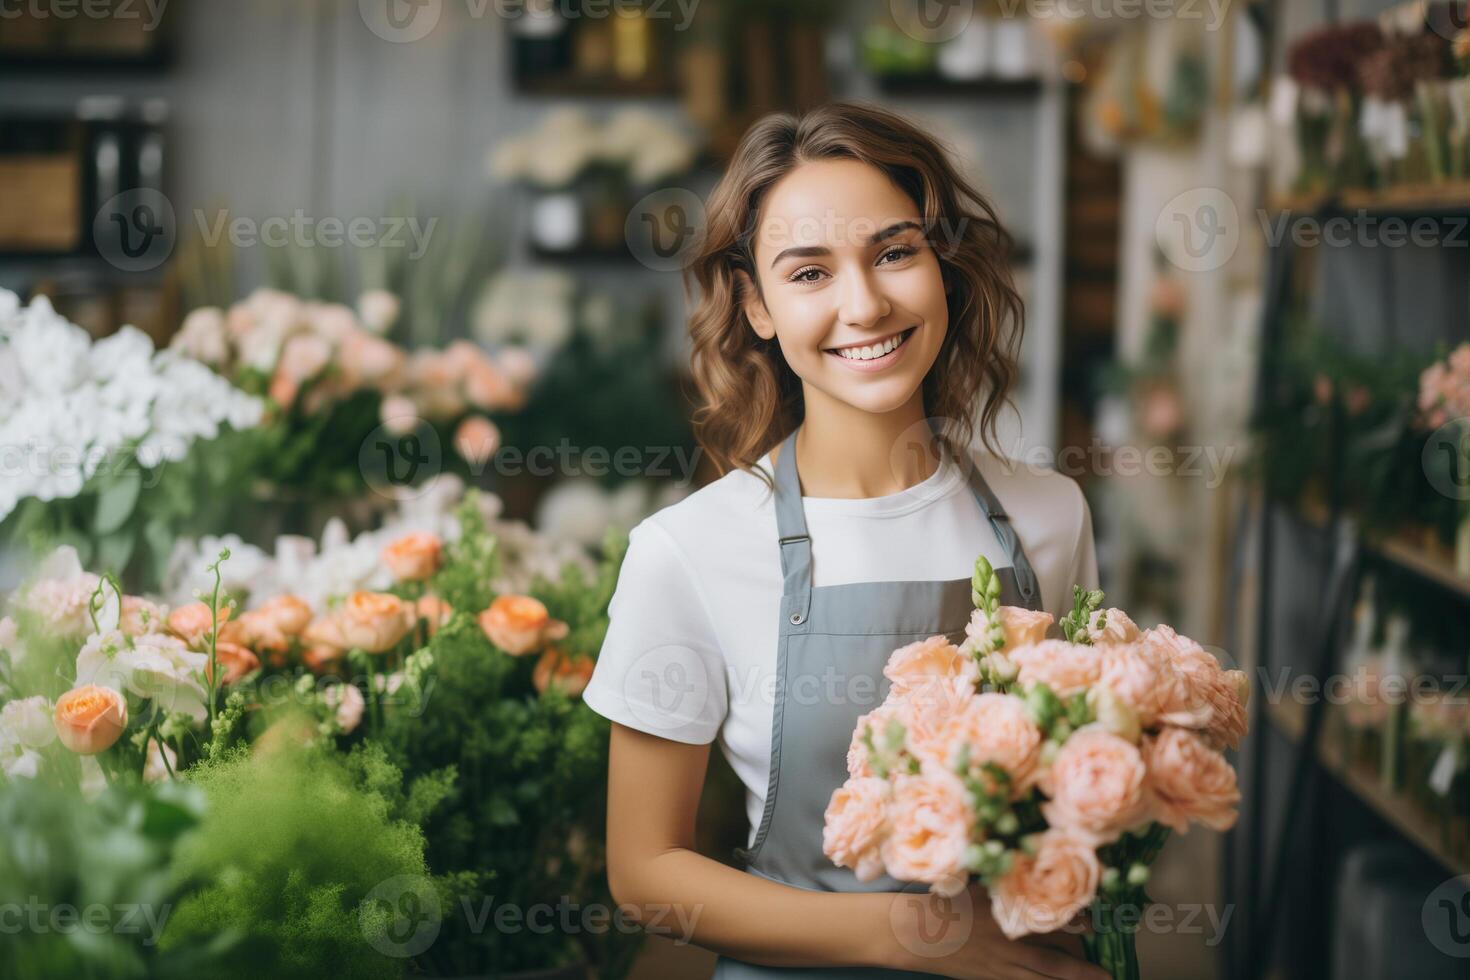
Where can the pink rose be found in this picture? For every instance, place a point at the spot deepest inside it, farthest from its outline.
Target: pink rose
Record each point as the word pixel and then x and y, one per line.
pixel 368 361
pixel 346 703
pixel 140 617
pixel 1066 668
pixel 192 623
pixel 1021 627
pixel 434 611
pixel 304 357
pixel 1145 679
pixel 1096 785
pixel 931 675
pixel 854 824
pixel 1189 781
pixel 89 719
pixel 379 310
pixel 1043 892
pixel 399 415
pixel 997 729
pixel 1117 627
pixel 875 724
pixel 930 824
pixel 1209 697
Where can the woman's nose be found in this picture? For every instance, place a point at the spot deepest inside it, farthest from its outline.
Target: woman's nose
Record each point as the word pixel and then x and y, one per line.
pixel 863 304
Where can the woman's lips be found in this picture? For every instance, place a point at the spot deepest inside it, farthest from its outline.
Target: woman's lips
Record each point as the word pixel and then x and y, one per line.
pixel 877 363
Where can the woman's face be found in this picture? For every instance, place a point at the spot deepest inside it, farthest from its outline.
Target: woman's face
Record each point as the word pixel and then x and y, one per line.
pixel 846 273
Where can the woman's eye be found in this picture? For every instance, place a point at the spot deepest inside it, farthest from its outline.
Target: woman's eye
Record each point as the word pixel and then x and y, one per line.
pixel 896 254
pixel 810 274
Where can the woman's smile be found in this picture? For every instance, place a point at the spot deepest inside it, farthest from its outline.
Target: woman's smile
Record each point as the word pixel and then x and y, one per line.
pixel 875 355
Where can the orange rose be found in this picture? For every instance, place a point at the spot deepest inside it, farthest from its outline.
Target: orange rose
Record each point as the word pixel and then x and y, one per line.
pixel 414 557
pixel 476 440
pixel 369 621
pixel 1064 667
pixel 567 674
pixel 853 826
pixel 519 624
pixel 931 675
pixel 236 660
pixel 997 729
pixel 321 658
pixel 1189 781
pixel 192 623
pixel 930 823
pixel 434 611
pixel 89 719
pixel 1043 892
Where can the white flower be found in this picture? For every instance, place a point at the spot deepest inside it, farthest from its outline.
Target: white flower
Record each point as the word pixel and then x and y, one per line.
pixel 155 771
pixel 28 722
pixel 17 761
pixel 347 704
pixel 61 597
pixel 154 666
pixel 379 310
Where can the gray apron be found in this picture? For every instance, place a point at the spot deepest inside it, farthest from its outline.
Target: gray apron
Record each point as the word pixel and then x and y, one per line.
pixel 834 643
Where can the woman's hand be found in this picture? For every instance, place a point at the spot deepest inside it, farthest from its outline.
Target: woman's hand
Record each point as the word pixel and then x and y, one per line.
pixel 959 938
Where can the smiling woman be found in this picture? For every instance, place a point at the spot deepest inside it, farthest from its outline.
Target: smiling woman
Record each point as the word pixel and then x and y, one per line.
pixel 841 353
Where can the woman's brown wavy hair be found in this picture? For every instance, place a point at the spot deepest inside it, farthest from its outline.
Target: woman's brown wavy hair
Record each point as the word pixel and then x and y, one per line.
pixel 749 398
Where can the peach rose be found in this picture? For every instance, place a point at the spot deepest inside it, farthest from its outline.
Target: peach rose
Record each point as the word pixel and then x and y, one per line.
pixel 929 831
pixel 997 729
pixel 399 415
pixel 192 623
pixel 854 824
pixel 89 719
pixel 1210 698
pixel 1043 892
pixel 322 658
pixel 140 617
pixel 1096 785
pixel 1189 781
pixel 876 721
pixel 476 440
pixel 286 613
pixel 567 674
pixel 304 357
pixel 930 675
pixel 370 621
pixel 434 611
pixel 1066 668
pixel 1144 678
pixel 256 632
pixel 236 661
pixel 347 704
pixel 414 557
pixel 519 624
pixel 1116 627
pixel 1020 627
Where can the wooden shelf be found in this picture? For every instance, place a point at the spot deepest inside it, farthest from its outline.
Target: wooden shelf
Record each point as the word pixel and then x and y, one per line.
pixel 1289 718
pixel 1399 550
pixel 1447 198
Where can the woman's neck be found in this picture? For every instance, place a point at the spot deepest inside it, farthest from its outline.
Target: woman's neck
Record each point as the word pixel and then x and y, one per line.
pixel 843 451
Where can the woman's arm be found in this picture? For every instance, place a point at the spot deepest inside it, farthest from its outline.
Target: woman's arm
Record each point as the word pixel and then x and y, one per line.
pixel 653 796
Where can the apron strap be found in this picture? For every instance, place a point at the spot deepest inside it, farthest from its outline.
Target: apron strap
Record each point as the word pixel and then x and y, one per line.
pixel 1010 542
pixel 795 543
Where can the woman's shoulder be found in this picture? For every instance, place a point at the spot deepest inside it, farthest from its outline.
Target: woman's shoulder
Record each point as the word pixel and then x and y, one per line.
pixel 731 506
pixel 1032 492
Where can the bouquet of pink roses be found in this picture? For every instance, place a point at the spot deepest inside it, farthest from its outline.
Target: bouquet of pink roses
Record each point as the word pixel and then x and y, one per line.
pixel 1051 769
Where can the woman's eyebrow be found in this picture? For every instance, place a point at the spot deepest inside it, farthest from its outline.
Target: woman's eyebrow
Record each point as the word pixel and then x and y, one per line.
pixel 815 251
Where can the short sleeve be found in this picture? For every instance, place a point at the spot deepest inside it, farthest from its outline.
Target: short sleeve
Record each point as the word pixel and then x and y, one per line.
pixel 660 669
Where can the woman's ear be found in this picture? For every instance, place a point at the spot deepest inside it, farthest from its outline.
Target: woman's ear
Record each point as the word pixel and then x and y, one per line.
pixel 754 307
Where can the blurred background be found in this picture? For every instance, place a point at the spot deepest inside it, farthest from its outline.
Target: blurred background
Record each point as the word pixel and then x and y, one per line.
pixel 1242 239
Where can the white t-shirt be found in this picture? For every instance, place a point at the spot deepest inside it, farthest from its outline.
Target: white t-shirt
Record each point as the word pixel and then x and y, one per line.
pixel 690 653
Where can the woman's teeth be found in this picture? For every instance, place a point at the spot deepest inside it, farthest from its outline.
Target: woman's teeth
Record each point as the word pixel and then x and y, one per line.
pixel 875 350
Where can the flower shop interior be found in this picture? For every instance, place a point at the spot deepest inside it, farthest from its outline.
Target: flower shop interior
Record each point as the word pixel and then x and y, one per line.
pixel 312 311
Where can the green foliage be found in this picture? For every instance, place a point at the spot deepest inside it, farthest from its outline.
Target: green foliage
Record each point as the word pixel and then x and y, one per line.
pixel 471 562
pixel 582 604
pixel 295 839
pixel 93 886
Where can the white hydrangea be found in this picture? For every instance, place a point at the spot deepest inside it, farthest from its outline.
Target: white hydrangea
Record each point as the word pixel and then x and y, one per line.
pixel 69 406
